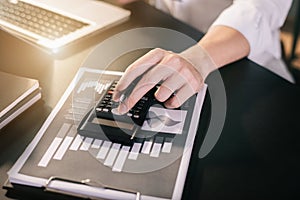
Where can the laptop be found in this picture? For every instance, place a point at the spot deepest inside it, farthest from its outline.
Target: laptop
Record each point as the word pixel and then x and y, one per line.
pixel 55 23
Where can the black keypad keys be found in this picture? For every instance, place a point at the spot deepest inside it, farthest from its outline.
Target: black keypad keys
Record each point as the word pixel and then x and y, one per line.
pixel 137 114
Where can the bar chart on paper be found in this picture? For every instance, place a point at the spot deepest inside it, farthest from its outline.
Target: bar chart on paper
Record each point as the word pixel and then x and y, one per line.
pixel 110 154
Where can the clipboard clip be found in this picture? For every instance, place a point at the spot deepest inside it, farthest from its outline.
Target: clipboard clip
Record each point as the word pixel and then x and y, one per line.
pixel 88 182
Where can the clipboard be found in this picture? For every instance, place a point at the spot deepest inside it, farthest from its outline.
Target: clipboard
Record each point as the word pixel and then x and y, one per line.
pixel 17 191
pixel 51 161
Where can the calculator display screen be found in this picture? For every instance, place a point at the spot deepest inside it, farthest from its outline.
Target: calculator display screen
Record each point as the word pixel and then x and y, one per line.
pixel 111 123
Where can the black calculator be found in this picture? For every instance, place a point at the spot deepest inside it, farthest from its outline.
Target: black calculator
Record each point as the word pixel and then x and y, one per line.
pixel 136 115
pixel 102 123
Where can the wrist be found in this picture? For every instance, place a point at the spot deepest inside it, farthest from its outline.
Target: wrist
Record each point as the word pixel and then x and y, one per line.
pixel 198 57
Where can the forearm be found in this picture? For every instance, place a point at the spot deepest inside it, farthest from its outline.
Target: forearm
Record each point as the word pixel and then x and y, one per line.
pixel 224 45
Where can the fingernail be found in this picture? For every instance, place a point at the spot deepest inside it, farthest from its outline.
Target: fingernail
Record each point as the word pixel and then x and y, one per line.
pixel 115 111
pixel 115 97
pixel 122 109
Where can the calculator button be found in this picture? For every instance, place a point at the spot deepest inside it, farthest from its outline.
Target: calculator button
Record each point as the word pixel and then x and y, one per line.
pixel 104 103
pixel 105 110
pixel 144 98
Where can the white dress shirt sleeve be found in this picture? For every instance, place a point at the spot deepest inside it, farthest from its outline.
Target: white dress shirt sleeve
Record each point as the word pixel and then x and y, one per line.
pixel 259 21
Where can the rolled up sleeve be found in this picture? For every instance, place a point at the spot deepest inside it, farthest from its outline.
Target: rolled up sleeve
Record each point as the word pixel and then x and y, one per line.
pixel 259 21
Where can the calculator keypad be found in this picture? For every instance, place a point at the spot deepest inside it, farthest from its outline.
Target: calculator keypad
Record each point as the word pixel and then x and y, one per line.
pixel 137 114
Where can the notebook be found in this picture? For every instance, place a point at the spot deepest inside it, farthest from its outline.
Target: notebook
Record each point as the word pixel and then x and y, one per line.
pixel 17 94
pixel 55 23
pixel 20 107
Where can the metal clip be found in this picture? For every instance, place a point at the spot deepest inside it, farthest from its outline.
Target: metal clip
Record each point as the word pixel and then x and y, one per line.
pixel 88 182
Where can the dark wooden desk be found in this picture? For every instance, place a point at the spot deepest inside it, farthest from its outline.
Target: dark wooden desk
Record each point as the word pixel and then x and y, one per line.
pixel 256 156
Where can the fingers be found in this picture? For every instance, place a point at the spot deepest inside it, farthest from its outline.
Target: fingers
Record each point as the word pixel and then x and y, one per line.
pixel 169 87
pixel 138 92
pixel 177 89
pixel 185 75
pixel 147 82
pixel 136 69
pixel 174 74
pixel 166 72
pixel 180 96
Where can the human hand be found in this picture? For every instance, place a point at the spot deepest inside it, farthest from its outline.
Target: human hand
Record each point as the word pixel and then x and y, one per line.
pixel 180 76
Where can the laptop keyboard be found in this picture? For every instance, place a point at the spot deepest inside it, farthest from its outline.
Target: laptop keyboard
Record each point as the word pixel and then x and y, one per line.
pixel 38 20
